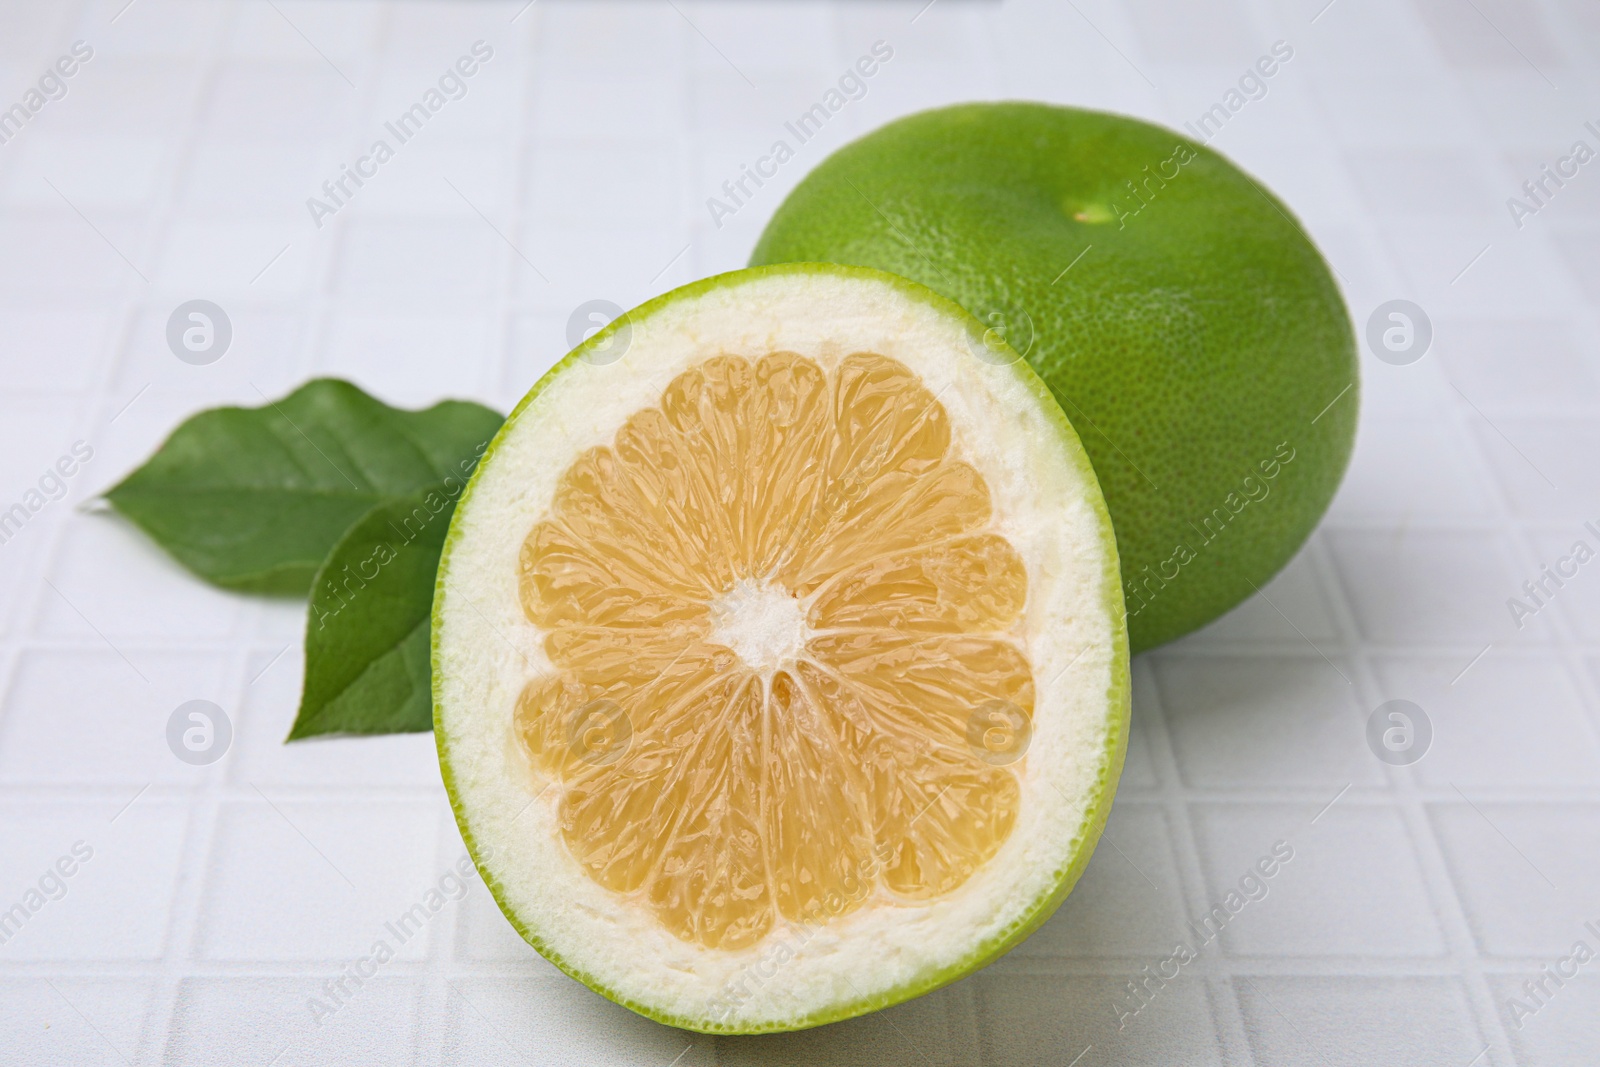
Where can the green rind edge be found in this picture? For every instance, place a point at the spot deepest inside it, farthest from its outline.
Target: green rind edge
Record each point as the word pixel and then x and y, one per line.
pixel 1118 697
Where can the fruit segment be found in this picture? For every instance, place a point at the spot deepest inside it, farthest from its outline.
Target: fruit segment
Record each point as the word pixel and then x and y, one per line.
pixel 776 606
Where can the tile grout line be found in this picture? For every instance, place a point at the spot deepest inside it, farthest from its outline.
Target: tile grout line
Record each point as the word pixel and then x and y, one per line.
pixel 1458 937
pixel 1507 530
pixel 192 883
pixel 1177 807
pixel 446 961
pixel 91 405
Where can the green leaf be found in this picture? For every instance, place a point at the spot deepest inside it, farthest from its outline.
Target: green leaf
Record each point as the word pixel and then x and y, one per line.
pixel 367 665
pixel 253 499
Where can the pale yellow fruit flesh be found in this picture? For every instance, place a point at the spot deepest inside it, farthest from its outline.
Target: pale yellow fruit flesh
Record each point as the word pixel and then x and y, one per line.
pixel 775 606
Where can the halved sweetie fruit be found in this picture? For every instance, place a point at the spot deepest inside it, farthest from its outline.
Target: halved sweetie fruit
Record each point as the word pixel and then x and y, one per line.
pixel 780 665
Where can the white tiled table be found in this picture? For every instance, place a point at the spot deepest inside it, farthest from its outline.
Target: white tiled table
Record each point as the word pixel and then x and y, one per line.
pixel 577 167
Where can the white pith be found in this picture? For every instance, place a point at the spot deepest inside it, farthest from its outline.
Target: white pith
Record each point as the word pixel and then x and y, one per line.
pixel 764 624
pixel 486 650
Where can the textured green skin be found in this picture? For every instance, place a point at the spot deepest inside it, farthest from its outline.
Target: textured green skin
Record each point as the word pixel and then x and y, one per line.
pixel 1188 342
pixel 1117 696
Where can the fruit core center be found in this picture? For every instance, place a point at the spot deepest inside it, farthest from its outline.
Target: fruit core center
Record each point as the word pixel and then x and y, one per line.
pixel 762 622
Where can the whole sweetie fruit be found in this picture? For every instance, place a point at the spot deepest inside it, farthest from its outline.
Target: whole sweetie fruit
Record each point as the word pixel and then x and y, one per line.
pixel 1185 322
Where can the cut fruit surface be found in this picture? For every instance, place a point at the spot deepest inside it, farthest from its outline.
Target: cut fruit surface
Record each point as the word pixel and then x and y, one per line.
pixel 780 670
pixel 811 587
